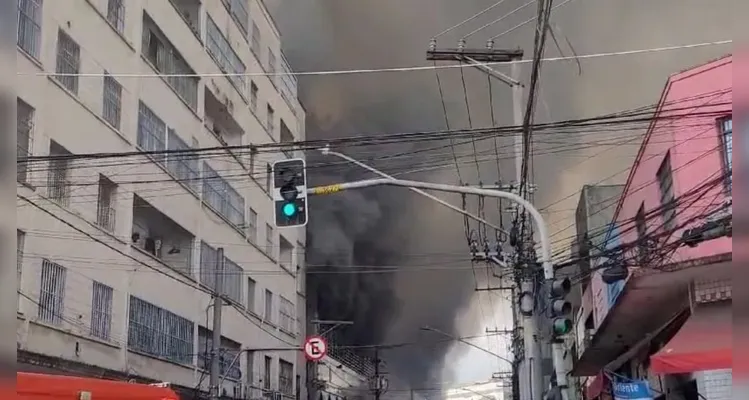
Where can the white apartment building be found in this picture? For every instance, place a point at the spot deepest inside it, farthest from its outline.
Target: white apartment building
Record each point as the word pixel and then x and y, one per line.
pixel 117 255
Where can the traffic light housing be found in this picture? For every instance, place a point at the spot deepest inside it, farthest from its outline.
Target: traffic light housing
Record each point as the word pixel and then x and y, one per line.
pixel 560 307
pixel 290 192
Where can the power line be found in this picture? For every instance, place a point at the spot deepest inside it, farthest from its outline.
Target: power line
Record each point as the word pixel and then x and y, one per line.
pixel 393 69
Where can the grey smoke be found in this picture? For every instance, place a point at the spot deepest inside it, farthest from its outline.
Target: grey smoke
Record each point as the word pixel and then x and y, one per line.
pixel 395 227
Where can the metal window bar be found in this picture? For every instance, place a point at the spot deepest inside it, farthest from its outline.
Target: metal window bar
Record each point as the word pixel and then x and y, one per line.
pixel 255 41
pixel 30 26
pixel 270 240
pixel 286 377
pixel 272 66
pixel 240 13
pixel 20 240
pixel 68 61
pixel 220 195
pixel 58 186
pixel 116 14
pixel 226 58
pixel 52 292
pixel 112 104
pixel 252 227
pixel 167 60
pixel 228 351
pixel 159 333
pixel 727 131
pixel 268 314
pixel 24 118
pixel 105 211
pixel 286 315
pixel 183 166
pixel 233 281
pixel 151 132
pixel 101 311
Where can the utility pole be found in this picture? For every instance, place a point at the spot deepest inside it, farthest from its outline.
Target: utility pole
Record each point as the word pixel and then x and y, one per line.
pixel 215 387
pixel 478 57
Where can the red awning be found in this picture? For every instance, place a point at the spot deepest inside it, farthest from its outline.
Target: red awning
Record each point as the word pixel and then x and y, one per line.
pixel 703 343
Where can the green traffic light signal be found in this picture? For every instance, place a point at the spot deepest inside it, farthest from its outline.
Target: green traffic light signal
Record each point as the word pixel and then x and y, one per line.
pixel 561 326
pixel 289 210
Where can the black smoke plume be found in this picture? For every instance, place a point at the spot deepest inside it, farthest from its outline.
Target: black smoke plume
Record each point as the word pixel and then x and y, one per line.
pixel 395 227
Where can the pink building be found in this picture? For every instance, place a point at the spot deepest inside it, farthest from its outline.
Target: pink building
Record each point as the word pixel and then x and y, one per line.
pixel 676 297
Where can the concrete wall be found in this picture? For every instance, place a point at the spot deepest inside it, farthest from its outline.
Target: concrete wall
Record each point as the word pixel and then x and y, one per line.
pixel 74 120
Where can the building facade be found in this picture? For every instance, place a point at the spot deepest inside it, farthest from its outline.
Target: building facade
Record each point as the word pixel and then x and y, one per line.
pixel 675 290
pixel 119 255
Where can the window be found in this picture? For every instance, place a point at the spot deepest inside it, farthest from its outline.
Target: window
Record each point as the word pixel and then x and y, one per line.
pixel 268 177
pixel 155 135
pixel 640 226
pixel 272 66
pixel 726 131
pixel 251 288
pixel 58 185
pixel 165 58
pixel 232 282
pixel 250 367
pixel 101 311
pixel 52 292
pixel 271 120
pixel 24 124
pixel 222 197
pixel 666 186
pixel 268 314
pixel 266 372
pixel 288 84
pixel 252 227
pixel 286 315
pixel 112 111
pixel 253 97
pixel 286 377
pixel 20 242
pixel 255 41
pixel 225 57
pixel 285 253
pixel 106 205
pixel 229 349
pixel 270 240
pixel 30 26
pixel 68 61
pixel 239 12
pixel 116 14
pixel 159 333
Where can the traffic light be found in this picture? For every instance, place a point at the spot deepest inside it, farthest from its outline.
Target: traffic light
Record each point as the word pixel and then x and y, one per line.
pixel 561 324
pixel 290 192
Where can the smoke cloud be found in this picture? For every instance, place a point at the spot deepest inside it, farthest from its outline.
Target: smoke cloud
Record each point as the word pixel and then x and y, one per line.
pixel 395 227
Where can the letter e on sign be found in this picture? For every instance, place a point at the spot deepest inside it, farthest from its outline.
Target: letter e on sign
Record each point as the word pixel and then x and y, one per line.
pixel 315 348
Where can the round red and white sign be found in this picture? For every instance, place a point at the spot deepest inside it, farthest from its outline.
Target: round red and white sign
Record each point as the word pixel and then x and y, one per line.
pixel 315 348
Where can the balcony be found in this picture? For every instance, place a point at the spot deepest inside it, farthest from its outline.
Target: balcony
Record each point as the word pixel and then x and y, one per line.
pixel 220 121
pixel 189 10
pixel 157 235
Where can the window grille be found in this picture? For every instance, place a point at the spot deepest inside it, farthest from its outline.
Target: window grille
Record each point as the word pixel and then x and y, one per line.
pixel 286 315
pixel 30 26
pixel 286 377
pixel 101 311
pixel 68 63
pixel 232 282
pixel 222 197
pixel 24 124
pixel 159 333
pixel 226 58
pixel 52 292
pixel 228 351
pixel 116 14
pixel 112 103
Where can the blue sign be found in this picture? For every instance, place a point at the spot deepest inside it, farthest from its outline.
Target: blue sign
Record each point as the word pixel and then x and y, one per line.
pixel 632 390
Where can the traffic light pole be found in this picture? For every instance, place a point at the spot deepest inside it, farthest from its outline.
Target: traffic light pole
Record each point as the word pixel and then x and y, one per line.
pixel 546 256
